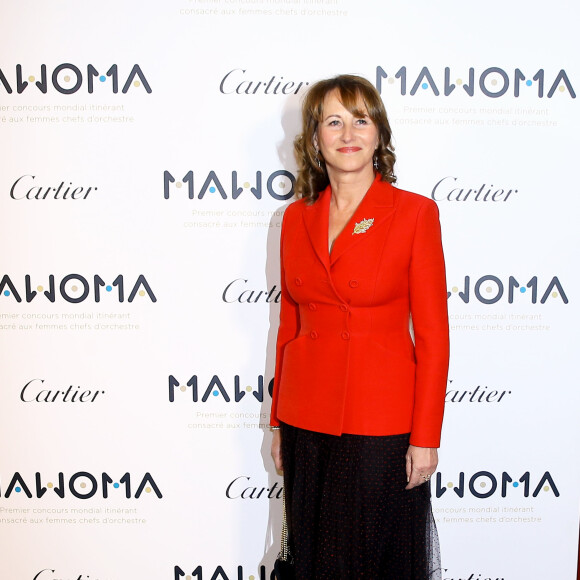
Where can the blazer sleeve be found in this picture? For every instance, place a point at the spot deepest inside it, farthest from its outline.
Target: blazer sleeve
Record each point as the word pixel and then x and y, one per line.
pixel 428 299
pixel 288 329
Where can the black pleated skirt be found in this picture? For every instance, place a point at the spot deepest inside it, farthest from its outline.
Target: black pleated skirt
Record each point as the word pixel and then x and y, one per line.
pixel 348 512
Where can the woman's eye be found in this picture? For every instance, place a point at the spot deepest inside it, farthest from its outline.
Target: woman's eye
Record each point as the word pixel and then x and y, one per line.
pixel 362 121
pixel 334 122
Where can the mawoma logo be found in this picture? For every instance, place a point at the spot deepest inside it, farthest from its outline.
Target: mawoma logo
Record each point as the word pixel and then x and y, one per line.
pixel 492 82
pixel 68 78
pixel 490 289
pixel 278 184
pixel 75 288
pixel 82 485
pixel 201 572
pixel 483 484
pixel 196 389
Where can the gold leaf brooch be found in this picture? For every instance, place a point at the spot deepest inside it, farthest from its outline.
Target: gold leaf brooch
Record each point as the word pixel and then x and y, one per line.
pixel 363 226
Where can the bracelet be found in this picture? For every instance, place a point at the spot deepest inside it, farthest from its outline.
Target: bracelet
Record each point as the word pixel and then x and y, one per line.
pixel 274 428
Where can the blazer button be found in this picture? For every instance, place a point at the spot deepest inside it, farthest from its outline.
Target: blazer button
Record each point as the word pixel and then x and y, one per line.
pixel 298 281
pixel 345 335
pixel 312 306
pixel 353 283
pixel 313 335
pixel 344 307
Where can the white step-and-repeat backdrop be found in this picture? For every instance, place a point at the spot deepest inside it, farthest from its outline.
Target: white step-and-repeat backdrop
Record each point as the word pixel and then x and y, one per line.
pixel 146 162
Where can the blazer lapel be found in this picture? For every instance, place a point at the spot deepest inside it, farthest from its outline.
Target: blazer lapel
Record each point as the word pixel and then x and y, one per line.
pixel 378 206
pixel 316 222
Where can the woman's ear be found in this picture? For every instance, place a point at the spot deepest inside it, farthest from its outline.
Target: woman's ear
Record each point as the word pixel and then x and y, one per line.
pixel 315 142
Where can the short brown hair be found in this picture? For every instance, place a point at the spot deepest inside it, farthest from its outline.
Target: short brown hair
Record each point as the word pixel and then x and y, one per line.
pixel 313 179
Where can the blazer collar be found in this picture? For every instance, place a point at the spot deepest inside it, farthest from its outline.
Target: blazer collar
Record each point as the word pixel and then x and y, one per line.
pixel 376 205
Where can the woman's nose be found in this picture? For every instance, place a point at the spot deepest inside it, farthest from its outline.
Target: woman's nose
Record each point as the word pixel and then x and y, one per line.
pixel 347 133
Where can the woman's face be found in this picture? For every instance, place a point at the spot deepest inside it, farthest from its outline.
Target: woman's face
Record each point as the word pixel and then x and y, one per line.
pixel 347 143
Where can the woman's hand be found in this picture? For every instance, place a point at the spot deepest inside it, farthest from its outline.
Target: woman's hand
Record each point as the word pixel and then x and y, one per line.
pixel 421 464
pixel 277 450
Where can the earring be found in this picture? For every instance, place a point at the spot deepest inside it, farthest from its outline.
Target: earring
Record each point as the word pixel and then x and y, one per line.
pixel 376 163
pixel 318 159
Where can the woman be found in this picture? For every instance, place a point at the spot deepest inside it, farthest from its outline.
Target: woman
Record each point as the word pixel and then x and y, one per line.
pixel 358 403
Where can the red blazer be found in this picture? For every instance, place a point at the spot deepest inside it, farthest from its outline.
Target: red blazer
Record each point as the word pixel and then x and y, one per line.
pixel 345 360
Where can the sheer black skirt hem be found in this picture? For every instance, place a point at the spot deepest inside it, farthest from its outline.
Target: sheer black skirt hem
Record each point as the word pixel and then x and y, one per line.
pixel 348 512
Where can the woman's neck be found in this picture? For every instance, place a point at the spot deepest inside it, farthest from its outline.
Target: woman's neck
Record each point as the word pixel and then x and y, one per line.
pixel 349 189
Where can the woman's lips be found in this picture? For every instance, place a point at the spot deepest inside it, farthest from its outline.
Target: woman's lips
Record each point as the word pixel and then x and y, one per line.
pixel 349 149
